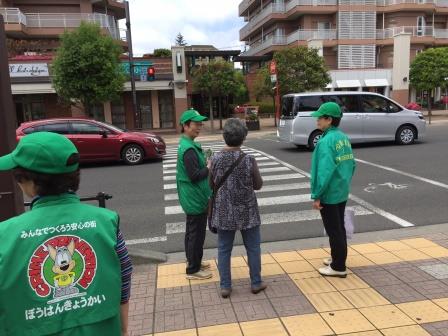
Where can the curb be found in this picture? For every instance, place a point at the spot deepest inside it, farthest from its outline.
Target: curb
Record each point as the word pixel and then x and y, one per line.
pixel 141 256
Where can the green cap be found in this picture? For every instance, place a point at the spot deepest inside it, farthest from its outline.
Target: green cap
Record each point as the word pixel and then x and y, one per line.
pixel 191 114
pixel 329 109
pixel 42 152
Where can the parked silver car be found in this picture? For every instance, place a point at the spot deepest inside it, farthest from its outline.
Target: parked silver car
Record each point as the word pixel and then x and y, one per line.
pixel 367 117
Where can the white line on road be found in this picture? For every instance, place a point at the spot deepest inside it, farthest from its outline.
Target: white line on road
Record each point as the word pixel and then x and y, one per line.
pixel 276 169
pixel 169 178
pixel 169 165
pixel 263 164
pixel 146 240
pixel 282 177
pixel 423 179
pixel 170 186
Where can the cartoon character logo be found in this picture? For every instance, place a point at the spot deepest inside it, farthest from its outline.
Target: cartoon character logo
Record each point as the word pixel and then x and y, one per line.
pixel 64 266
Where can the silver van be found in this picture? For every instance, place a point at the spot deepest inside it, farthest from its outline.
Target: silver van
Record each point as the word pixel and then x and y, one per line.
pixel 367 117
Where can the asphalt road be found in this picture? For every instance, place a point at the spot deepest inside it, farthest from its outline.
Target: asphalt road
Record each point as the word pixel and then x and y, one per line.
pixel 394 186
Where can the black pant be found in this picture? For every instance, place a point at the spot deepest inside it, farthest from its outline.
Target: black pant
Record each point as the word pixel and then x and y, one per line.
pixel 333 218
pixel 194 241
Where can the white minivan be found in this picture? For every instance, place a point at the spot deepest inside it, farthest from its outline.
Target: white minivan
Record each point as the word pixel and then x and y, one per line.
pixel 367 117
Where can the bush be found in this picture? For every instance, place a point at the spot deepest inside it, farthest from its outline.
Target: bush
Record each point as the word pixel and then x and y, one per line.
pixel 162 52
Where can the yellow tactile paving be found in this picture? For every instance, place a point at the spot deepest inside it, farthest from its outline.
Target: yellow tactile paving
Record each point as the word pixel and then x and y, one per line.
pixel 221 330
pixel 365 297
pixel 411 255
pixel 414 330
pixel 240 272
pixel 418 242
pixel 175 280
pixel 189 332
pixel 350 251
pixel 347 321
pixel 316 263
pixel 286 256
pixel 271 269
pixel 306 325
pixel 296 266
pixel 388 316
pixel 367 248
pixel 171 269
pixel 265 259
pixel 238 262
pixel 272 327
pixel 314 285
pixel 424 311
pixel 332 301
pixel 358 261
pixel 214 278
pixel 350 282
pixel 443 303
pixel 393 245
pixel 382 258
pixel 435 251
pixel 366 333
pixel 304 275
pixel 314 253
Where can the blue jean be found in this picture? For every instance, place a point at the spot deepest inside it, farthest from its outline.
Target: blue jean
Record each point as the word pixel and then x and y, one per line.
pixel 251 239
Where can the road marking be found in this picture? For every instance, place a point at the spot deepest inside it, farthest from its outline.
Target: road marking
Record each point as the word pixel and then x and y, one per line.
pixel 276 169
pixel 169 171
pixel 169 178
pixel 169 160
pixel 282 177
pixel 146 240
pixel 170 186
pixel 420 178
pixel 263 164
pixel 169 165
pixel 372 187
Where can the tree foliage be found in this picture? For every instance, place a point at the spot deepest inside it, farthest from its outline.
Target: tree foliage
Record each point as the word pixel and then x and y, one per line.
pixel 87 67
pixel 162 52
pixel 180 41
pixel 263 87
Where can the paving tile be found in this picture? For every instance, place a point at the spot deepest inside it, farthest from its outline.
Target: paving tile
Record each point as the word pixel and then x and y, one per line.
pixel 418 242
pixel 292 305
pixel 364 297
pixel 352 281
pixel 435 252
pixel 307 325
pixel 314 285
pixel 166 300
pixel 282 289
pixel 377 276
pixel 367 248
pixel 424 311
pixel 240 272
pixel 305 275
pixel 388 316
pixel 179 319
pixel 411 255
pixel 254 310
pixel 358 261
pixel 365 333
pixel 238 262
pixel 221 330
pixel 189 332
pixel 437 328
pixel 408 273
pixel 434 289
pixel 347 321
pixel 438 271
pixel 382 258
pixel 443 303
pixel 296 266
pixel 271 269
pixel 208 296
pixel 214 278
pixel 175 280
pixel 332 301
pixel 266 258
pixel 443 243
pixel 314 253
pixel 212 315
pixel 350 251
pixel 393 245
pixel 286 256
pixel 242 293
pixel 271 327
pixel 171 269
pixel 399 293
pixel 316 263
pixel 414 330
pixel 435 237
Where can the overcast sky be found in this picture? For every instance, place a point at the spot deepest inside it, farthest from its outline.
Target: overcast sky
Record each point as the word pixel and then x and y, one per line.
pixel 155 23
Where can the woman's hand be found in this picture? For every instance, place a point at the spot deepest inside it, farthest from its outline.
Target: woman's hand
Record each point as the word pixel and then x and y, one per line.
pixel 209 164
pixel 316 205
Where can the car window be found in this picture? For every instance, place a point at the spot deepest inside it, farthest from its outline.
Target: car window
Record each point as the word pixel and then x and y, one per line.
pixel 394 108
pixel 60 128
pixel 374 104
pixel 310 103
pixel 287 103
pixel 86 128
pixel 348 103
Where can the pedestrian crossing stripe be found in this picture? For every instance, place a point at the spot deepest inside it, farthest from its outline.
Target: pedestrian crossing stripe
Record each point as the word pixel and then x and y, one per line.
pixel 262 170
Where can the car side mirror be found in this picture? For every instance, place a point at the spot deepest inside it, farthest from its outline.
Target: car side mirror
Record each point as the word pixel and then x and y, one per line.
pixel 103 134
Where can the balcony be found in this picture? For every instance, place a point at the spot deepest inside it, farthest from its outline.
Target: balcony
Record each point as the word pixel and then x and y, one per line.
pixel 293 3
pixel 38 21
pixel 305 35
pixel 389 33
pixel 437 3
pixel 243 6
pixel 259 46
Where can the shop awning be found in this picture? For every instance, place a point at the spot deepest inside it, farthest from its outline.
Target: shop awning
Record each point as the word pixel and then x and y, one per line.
pixel 348 83
pixel 376 82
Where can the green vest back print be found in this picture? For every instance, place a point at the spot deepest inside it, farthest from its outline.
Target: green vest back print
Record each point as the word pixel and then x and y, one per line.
pixel 59 268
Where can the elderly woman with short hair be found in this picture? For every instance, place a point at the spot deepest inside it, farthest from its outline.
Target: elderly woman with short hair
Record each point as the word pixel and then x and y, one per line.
pixel 235 206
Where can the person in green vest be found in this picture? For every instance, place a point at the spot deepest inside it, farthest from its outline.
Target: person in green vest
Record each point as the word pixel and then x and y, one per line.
pixel 64 265
pixel 194 192
pixel 332 169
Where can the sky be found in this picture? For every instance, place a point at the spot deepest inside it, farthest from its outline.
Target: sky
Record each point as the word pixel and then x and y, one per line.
pixel 156 23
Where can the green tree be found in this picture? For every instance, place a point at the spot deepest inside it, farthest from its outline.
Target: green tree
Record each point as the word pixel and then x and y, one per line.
pixel 87 67
pixel 162 52
pixel 428 71
pixel 218 79
pixel 180 41
pixel 263 87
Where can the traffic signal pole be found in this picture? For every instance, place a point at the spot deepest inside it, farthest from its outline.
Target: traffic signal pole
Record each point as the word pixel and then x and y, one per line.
pixel 11 198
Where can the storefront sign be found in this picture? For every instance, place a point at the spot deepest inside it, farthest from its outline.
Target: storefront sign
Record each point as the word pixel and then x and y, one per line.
pixel 28 70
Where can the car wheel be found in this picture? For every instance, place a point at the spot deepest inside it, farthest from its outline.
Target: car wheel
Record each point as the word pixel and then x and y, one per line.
pixel 132 154
pixel 313 139
pixel 406 135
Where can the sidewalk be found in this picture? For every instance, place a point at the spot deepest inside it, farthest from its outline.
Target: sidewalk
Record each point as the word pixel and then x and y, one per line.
pixel 397 286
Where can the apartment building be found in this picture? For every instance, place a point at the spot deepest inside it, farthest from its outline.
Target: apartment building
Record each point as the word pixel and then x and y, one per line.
pixel 33 28
pixel 367 44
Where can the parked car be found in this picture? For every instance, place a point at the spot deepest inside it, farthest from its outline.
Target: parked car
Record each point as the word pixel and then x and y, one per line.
pixel 99 141
pixel 367 117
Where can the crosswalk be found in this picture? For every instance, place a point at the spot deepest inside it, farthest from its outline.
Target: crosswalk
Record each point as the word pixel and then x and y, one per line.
pixel 284 198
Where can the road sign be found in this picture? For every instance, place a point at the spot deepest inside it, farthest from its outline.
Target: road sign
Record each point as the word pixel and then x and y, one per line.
pixel 273 67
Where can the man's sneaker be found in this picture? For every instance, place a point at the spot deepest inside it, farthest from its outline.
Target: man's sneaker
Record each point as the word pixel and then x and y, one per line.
pixel 225 292
pixel 259 288
pixel 205 265
pixel 328 271
pixel 201 275
pixel 327 261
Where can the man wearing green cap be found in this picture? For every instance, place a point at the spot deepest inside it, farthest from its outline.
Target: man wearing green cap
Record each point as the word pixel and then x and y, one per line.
pixel 332 169
pixel 64 265
pixel 194 192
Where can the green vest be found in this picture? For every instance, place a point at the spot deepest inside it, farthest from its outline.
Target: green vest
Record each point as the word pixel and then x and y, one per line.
pixel 59 269
pixel 193 197
pixel 332 167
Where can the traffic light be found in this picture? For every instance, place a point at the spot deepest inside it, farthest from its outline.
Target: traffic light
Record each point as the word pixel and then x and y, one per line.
pixel 151 74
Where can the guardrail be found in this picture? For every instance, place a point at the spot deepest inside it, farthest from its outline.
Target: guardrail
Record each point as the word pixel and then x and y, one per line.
pixel 13 15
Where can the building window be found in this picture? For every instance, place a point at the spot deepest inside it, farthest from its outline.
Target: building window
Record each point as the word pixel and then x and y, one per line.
pixel 421 23
pixel 118 113
pixel 323 25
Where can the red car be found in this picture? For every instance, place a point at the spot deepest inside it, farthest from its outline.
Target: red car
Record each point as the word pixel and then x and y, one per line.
pixel 99 141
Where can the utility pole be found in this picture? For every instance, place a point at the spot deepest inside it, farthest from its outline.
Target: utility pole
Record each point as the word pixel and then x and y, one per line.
pixel 11 198
pixel 137 115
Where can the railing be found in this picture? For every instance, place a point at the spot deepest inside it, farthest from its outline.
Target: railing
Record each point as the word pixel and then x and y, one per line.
pixel 437 3
pixel 268 42
pixel 318 34
pixel 293 3
pixel 13 15
pixel 244 5
pixel 388 33
pixel 264 13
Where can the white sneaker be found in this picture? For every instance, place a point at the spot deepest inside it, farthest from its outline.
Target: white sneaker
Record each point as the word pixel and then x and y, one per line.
pixel 205 265
pixel 327 261
pixel 201 275
pixel 328 271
